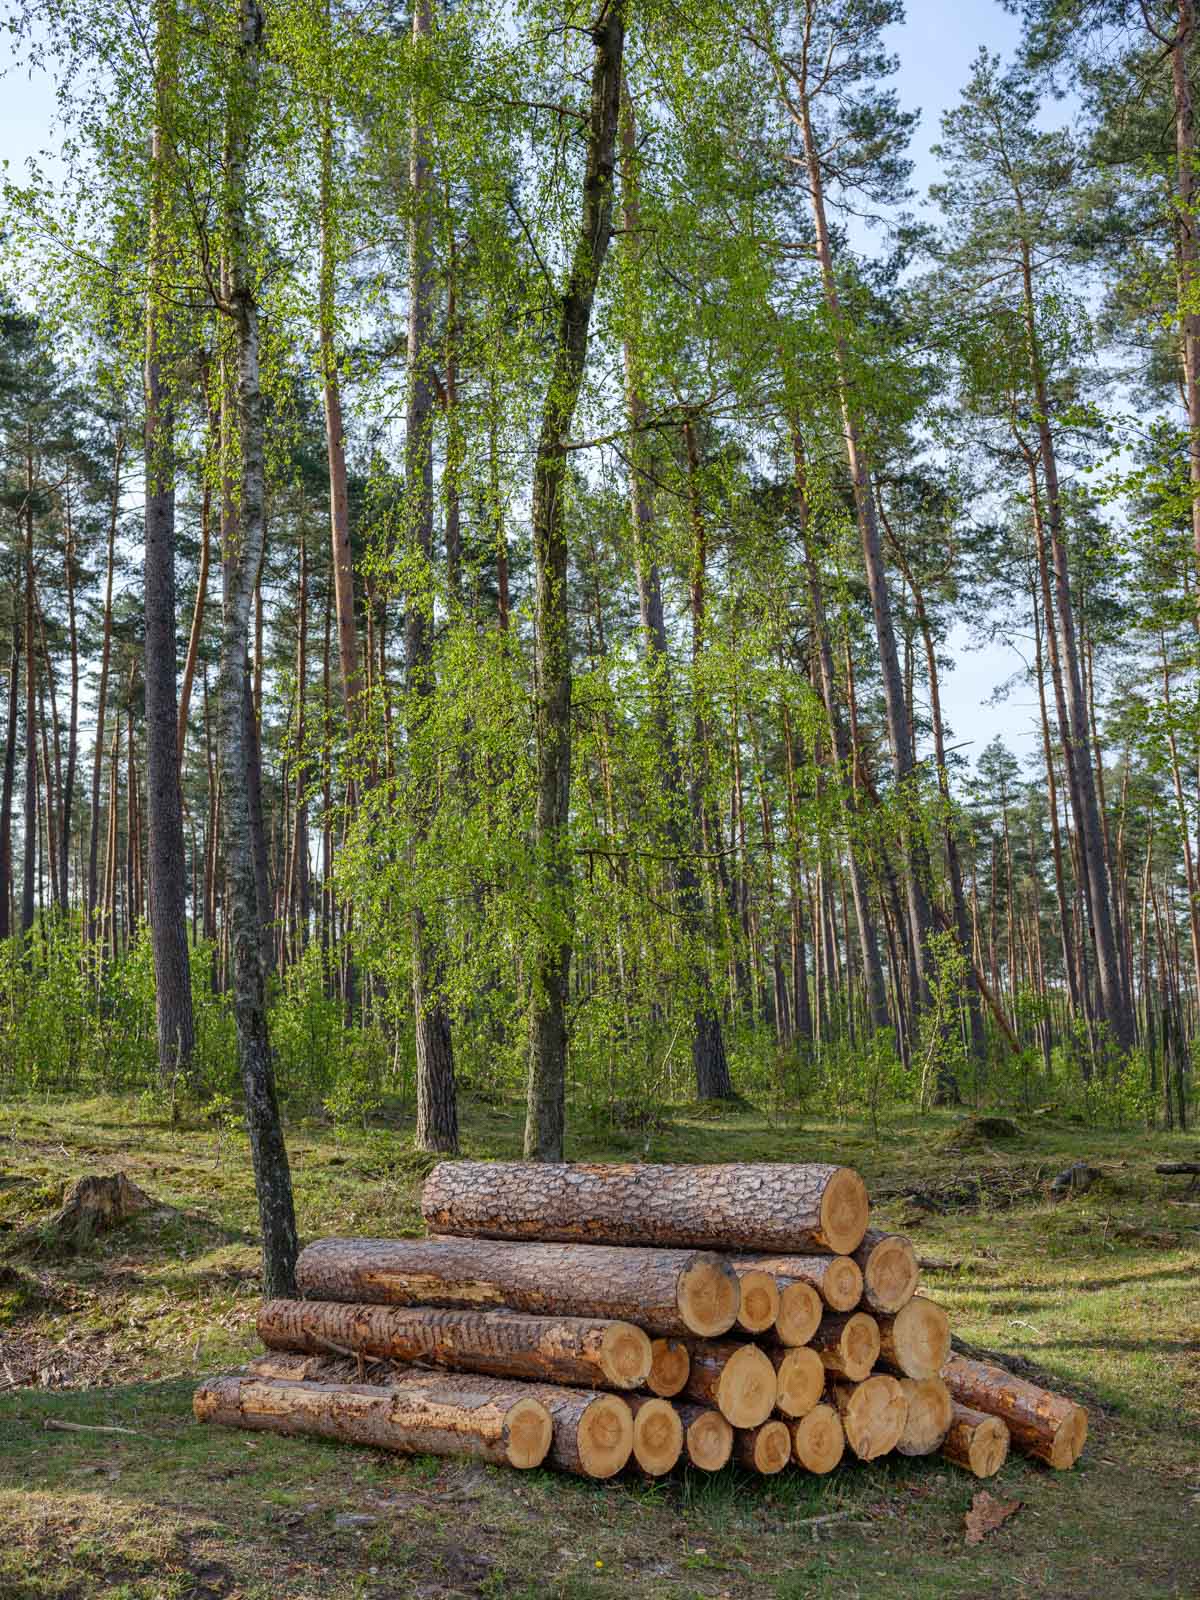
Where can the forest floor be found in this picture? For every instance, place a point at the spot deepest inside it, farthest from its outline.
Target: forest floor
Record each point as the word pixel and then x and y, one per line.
pixel 1101 1292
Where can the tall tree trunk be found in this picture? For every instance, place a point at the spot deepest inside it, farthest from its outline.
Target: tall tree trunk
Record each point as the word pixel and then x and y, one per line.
pixel 114 511
pixel 10 764
pixel 29 864
pixel 67 800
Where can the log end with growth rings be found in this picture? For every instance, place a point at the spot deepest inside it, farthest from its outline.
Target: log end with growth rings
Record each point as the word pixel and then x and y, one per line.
pixel 670 1365
pixel 890 1272
pixel 800 1380
pixel 844 1212
pixel 747 1388
pixel 604 1437
pixel 708 1438
pixel 800 1311
pixel 842 1285
pixel 625 1355
pixel 709 1296
pixel 916 1341
pixel 976 1441
pixel 1069 1440
pixel 766 1449
pixel 873 1414
pixel 657 1435
pixel 930 1412
pixel 528 1432
pixel 759 1300
pixel 818 1440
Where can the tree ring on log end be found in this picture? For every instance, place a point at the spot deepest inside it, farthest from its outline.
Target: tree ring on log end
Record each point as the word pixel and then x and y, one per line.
pixel 891 1273
pixel 842 1286
pixel 1070 1439
pixel 772 1447
pixel 657 1437
pixel 747 1388
pixel 800 1376
pixel 930 1413
pixel 917 1339
pixel 625 1355
pixel 800 1310
pixel 708 1296
pixel 818 1440
pixel 844 1211
pixel 873 1414
pixel 759 1300
pixel 605 1436
pixel 670 1365
pixel 859 1345
pixel 529 1433
pixel 709 1441
pixel 989 1447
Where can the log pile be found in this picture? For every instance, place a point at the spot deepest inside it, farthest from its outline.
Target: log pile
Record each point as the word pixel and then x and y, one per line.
pixel 636 1317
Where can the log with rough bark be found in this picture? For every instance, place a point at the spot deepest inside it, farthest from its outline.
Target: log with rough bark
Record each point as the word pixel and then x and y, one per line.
pixel 736 1378
pixel 1042 1424
pixel 916 1341
pixel 818 1440
pixel 707 1437
pixel 657 1434
pixel 929 1415
pixel 766 1449
pixel 588 1353
pixel 847 1344
pixel 760 1299
pixel 751 1206
pixel 889 1269
pixel 799 1378
pixel 667 1292
pixel 976 1441
pixel 873 1414
pixel 837 1280
pixel 669 1367
pixel 428 1414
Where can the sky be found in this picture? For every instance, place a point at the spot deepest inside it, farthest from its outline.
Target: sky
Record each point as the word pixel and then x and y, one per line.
pixel 936 44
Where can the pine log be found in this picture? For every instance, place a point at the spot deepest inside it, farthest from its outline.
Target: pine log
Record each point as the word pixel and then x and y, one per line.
pixel 1042 1424
pixel 889 1269
pixel 915 1342
pixel 800 1311
pixel 668 1292
pixel 707 1437
pixel 818 1440
pixel 766 1449
pixel 929 1415
pixel 847 1344
pixel 657 1434
pixel 736 1378
pixel 837 1279
pixel 733 1206
pixel 669 1367
pixel 873 1414
pixel 799 1378
pixel 588 1353
pixel 760 1300
pixel 976 1441
pixel 437 1415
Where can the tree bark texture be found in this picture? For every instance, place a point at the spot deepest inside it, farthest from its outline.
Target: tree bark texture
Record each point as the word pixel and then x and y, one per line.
pixel 1042 1424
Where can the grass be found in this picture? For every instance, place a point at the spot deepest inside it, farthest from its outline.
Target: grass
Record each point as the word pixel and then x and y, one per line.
pixel 1098 1291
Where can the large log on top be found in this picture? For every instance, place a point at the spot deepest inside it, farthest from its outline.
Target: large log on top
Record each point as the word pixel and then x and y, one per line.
pixel 733 1206
pixel 667 1292
pixel 1042 1424
pixel 430 1414
pixel 571 1350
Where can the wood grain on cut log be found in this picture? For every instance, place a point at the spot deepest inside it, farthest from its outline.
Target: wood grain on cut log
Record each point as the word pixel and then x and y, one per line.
pixel 707 1437
pixel 657 1434
pixel 818 1440
pixel 760 1299
pixel 429 1414
pixel 799 1379
pixel 749 1206
pixel 800 1311
pixel 1042 1424
pixel 587 1352
pixel 976 1441
pixel 873 1414
pixel 669 1367
pixel 889 1269
pixel 837 1280
pixel 766 1449
pixel 916 1341
pixel 847 1344
pixel 929 1414
pixel 736 1378
pixel 667 1292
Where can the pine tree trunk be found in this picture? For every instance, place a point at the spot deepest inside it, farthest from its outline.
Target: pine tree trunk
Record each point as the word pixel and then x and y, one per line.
pixel 10 764
pixel 114 509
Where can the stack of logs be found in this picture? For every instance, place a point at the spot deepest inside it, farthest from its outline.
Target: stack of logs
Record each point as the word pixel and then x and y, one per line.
pixel 594 1317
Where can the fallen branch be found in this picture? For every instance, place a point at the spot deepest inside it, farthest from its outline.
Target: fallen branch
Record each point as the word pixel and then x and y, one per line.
pixel 90 1427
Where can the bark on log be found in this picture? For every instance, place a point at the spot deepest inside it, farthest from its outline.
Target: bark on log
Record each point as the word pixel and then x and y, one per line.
pixel 873 1414
pixel 930 1411
pixel 916 1341
pixel 733 1206
pixel 818 1440
pixel 838 1280
pixel 766 1449
pixel 848 1345
pixel 669 1367
pixel 667 1292
pixel 707 1437
pixel 976 1441
pixel 588 1353
pixel 657 1434
pixel 736 1378
pixel 889 1269
pixel 760 1299
pixel 1042 1424
pixel 428 1415
pixel 800 1379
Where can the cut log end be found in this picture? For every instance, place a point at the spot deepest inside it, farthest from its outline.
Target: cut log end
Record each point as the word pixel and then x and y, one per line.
pixel 800 1311
pixel 842 1285
pixel 625 1355
pixel 709 1296
pixel 844 1211
pixel 760 1301
pixel 766 1449
pixel 916 1341
pixel 747 1388
pixel 976 1441
pixel 604 1438
pixel 1069 1440
pixel 708 1438
pixel 890 1273
pixel 930 1412
pixel 669 1367
pixel 849 1346
pixel 528 1433
pixel 800 1380
pixel 818 1440
pixel 873 1414
pixel 657 1435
